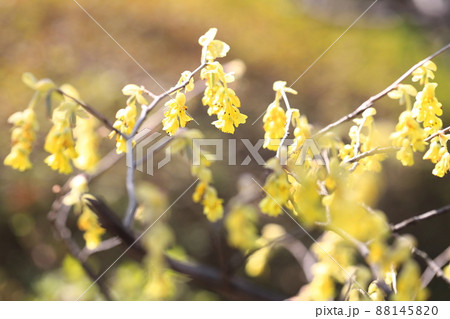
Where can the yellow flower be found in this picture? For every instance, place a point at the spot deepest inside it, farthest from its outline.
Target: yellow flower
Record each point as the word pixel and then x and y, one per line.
pixel 87 144
pixel 212 205
pixel 22 139
pixel 409 284
pixel 424 72
pixel 60 144
pixel 240 225
pixel 434 152
pixel 88 222
pixel 375 292
pixel 199 191
pixel 78 186
pixel 18 158
pixel 403 93
pixel 221 100
pixel 302 130
pixel 126 119
pixel 277 193
pixel 443 166
pixel 212 49
pixel 427 109
pixel 175 116
pixel 274 126
pixel 229 116
pixel 409 136
pixel 184 76
pixel 275 117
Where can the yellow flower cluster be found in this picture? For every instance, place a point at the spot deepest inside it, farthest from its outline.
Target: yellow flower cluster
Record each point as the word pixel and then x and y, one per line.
pixel 87 142
pixel 427 109
pixel 363 142
pixel 204 192
pixel 220 99
pixel 302 131
pixel 175 117
pixel 275 118
pixel 306 202
pixel 22 138
pixel 160 284
pixel 60 141
pixel 409 134
pixel 240 225
pixel 438 154
pixel 277 190
pixel 257 262
pixel 336 259
pixel 87 221
pixel 126 117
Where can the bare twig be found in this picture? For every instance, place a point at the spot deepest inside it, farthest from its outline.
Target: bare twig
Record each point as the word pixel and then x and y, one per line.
pixel 104 245
pixel 378 96
pixel 431 264
pixel 439 261
pixel 287 125
pixel 440 132
pixel 93 112
pixel 419 218
pixel 58 215
pixel 374 151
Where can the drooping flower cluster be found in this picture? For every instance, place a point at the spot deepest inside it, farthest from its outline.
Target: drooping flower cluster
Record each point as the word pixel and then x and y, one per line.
pixel 275 117
pixel 240 225
pixel 22 138
pixel 205 193
pixel 221 100
pixel 126 117
pixel 302 131
pixel 87 143
pixel 409 135
pixel 87 219
pixel 176 116
pixel 60 140
pixel 277 190
pixel 438 154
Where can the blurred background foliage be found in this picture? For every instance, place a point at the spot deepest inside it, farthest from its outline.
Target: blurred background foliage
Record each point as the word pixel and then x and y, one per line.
pixel 276 40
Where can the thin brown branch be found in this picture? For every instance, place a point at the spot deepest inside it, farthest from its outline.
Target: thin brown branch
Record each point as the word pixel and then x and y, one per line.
pixel 440 262
pixel 93 112
pixel 58 215
pixel 374 151
pixel 430 262
pixel 368 103
pixel 415 219
pixel 440 132
pixel 230 287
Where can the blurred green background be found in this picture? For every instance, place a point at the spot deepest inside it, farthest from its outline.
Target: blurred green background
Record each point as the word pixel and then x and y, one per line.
pixel 276 40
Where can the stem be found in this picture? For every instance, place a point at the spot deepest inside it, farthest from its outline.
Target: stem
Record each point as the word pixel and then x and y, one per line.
pixel 93 112
pixel 430 262
pixel 374 151
pixel 415 219
pixel 378 96
pixel 287 125
pixel 441 132
pixel 132 201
